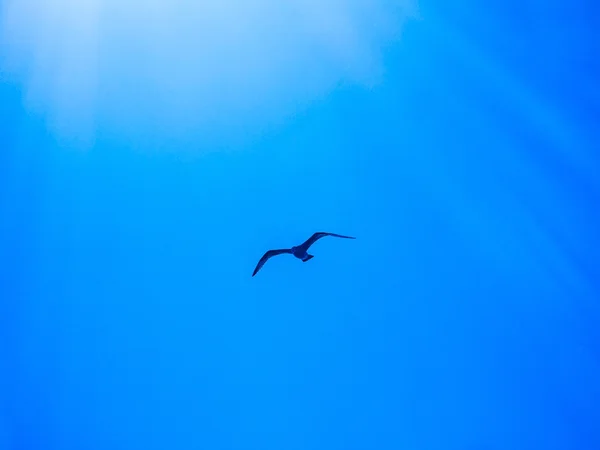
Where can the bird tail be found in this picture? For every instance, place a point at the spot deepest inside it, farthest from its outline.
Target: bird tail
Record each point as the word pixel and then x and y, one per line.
pixel 308 258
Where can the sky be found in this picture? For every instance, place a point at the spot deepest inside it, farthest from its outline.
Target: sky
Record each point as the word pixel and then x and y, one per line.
pixel 151 152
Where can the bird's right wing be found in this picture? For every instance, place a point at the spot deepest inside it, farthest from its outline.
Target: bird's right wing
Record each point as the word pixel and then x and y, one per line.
pixel 315 237
pixel 268 255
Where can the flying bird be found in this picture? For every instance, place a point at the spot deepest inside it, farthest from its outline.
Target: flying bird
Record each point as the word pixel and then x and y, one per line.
pixel 300 252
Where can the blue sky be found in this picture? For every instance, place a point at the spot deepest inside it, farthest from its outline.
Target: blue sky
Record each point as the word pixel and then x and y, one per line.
pixel 150 155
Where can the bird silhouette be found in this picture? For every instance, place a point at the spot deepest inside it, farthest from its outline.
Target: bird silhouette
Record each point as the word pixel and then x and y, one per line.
pixel 300 252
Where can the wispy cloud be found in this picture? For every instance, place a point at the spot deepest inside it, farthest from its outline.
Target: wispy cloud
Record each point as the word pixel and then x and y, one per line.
pixel 189 63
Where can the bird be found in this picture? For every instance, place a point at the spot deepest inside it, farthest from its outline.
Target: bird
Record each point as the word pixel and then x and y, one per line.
pixel 300 251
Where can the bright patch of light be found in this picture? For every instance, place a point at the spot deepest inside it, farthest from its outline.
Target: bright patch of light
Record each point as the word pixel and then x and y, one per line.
pixel 188 64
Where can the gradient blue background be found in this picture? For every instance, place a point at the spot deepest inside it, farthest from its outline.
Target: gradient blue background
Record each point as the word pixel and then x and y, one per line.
pixel 465 315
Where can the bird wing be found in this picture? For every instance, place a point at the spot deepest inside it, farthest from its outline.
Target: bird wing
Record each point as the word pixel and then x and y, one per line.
pixel 315 237
pixel 268 255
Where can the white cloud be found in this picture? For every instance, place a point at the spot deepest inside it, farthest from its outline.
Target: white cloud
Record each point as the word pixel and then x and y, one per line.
pixel 188 64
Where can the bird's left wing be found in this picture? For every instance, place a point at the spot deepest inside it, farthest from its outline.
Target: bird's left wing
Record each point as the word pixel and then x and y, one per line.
pixel 268 255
